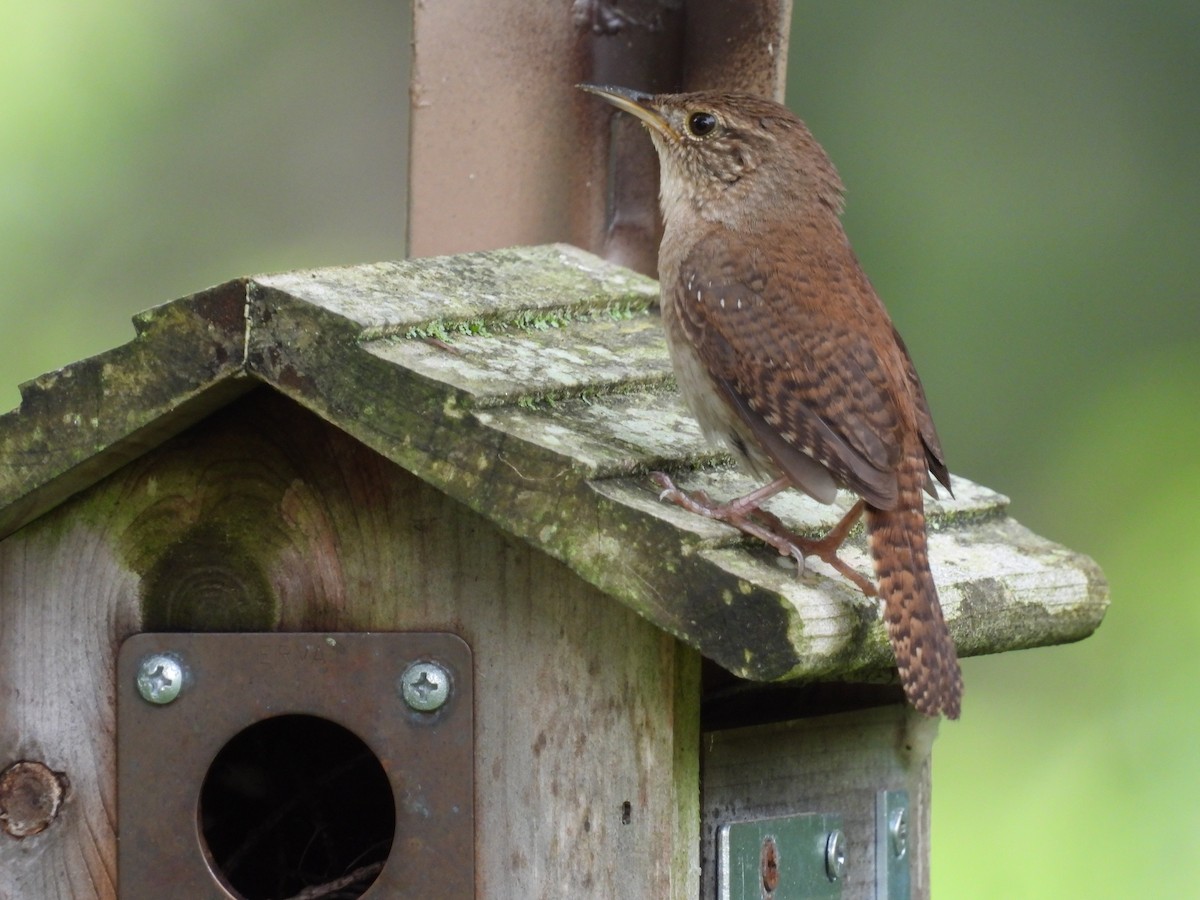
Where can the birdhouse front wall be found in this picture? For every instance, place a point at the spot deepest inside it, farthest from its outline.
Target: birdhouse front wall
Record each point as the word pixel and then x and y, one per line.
pixel 265 518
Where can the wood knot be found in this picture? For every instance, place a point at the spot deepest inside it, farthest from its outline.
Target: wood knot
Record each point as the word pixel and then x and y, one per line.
pixel 206 582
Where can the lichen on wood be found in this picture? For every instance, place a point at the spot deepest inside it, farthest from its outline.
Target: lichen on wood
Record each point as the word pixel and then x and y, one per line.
pixel 532 385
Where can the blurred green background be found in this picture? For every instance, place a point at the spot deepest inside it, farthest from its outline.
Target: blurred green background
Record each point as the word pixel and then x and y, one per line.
pixel 1024 190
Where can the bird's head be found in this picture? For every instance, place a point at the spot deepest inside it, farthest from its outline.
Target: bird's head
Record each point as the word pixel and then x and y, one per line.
pixel 724 154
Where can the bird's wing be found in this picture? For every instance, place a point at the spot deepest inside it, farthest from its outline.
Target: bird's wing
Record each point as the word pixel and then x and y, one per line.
pixel 935 460
pixel 802 380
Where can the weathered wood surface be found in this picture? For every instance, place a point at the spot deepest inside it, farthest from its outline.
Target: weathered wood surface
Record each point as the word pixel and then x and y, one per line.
pixel 78 424
pixel 532 386
pixel 473 458
pixel 265 517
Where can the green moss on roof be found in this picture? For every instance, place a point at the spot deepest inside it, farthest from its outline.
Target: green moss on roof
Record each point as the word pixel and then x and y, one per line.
pixel 532 385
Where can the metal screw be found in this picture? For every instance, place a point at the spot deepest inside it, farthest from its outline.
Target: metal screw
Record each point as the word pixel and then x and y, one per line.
pixel 898 832
pixel 425 686
pixel 769 865
pixel 835 855
pixel 159 678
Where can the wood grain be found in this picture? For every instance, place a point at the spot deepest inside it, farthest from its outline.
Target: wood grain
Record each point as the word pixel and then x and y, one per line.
pixel 586 713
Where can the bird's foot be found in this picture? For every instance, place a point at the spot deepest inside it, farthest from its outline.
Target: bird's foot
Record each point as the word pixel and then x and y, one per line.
pixel 744 514
pixel 747 518
pixel 826 548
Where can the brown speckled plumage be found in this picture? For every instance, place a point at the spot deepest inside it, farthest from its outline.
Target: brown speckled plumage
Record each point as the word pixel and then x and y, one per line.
pixel 785 353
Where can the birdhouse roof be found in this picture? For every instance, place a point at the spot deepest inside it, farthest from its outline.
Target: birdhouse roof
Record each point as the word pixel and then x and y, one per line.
pixel 533 386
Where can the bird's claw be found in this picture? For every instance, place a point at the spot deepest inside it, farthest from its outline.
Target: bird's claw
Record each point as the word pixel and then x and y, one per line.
pixel 696 502
pixel 669 491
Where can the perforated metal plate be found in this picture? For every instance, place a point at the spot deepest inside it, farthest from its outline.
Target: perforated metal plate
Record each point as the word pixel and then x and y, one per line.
pixel 230 682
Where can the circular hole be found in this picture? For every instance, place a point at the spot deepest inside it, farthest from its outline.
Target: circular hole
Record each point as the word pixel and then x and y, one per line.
pixel 294 803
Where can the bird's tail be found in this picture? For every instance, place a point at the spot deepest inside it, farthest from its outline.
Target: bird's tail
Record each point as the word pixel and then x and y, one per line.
pixel 924 649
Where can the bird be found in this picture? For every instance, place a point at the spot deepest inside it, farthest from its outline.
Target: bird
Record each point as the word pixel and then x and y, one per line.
pixel 785 354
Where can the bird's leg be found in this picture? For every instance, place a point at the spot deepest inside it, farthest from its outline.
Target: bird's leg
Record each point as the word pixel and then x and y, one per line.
pixel 745 514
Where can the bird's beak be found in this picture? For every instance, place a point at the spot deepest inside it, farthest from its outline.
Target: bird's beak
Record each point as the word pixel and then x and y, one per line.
pixel 636 103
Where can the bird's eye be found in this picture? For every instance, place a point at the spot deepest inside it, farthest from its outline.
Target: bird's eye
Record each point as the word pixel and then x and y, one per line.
pixel 702 124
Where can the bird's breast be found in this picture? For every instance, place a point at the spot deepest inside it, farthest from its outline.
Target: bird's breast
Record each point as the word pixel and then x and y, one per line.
pixel 718 421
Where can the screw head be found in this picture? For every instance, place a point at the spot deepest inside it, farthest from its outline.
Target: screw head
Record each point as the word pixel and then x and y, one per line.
pixel 898 832
pixel 769 866
pixel 159 678
pixel 835 855
pixel 425 686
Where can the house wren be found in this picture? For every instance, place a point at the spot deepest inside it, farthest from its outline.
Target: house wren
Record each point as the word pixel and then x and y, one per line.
pixel 784 353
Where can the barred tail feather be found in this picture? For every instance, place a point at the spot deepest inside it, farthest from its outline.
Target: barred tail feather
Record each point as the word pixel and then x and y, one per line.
pixel 924 649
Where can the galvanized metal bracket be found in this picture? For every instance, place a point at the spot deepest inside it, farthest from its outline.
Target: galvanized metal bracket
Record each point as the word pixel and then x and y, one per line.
pixel 408 697
pixel 800 857
pixel 892 872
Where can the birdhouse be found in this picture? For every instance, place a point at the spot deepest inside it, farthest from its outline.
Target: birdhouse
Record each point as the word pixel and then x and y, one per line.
pixel 352 582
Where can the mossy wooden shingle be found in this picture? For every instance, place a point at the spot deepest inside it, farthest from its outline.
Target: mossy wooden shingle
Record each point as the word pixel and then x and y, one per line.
pixel 533 386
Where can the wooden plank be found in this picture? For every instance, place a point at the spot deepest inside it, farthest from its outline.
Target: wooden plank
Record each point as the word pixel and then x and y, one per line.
pixel 79 423
pixel 265 517
pixel 66 600
pixel 567 356
pixel 514 287
pixel 830 764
